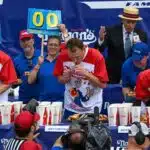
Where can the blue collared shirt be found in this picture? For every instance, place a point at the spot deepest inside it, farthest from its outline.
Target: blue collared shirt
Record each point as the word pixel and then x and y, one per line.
pixel 22 66
pixel 50 88
pixel 130 73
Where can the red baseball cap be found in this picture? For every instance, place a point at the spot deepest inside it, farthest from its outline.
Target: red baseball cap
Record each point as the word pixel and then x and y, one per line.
pixel 143 85
pixel 25 34
pixel 25 120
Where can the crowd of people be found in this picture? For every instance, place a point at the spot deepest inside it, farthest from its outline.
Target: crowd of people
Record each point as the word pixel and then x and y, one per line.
pixel 76 74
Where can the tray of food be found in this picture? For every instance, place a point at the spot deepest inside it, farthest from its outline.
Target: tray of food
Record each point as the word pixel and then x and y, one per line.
pixel 102 117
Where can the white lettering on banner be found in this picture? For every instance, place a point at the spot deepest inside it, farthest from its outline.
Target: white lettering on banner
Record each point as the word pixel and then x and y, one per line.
pixel 56 128
pixel 4 142
pixel 122 143
pixel 117 4
pixel 87 36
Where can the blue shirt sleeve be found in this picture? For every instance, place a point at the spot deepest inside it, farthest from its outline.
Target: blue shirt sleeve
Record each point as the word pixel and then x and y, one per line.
pixel 57 148
pixel 125 75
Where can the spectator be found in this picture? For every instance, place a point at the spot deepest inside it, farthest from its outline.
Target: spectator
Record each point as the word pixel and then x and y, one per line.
pixel 119 39
pixel 25 126
pixel 7 75
pixel 50 88
pixel 24 63
pixel 138 137
pixel 142 89
pixel 83 71
pixel 132 67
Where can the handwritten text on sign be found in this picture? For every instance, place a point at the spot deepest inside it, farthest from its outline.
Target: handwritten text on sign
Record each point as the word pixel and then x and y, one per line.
pixel 42 21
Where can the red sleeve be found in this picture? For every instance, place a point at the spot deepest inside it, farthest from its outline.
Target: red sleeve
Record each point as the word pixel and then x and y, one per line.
pixel 100 69
pixel 63 47
pixel 58 70
pixel 142 85
pixel 30 145
pixel 8 73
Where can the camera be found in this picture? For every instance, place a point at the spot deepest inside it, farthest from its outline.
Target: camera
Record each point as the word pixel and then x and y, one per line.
pixel 92 134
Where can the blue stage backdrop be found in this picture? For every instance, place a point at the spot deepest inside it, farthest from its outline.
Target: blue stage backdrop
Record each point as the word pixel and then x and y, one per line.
pixel 82 17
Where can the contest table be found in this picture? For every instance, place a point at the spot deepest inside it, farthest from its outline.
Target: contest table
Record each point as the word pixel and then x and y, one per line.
pixel 47 137
pixel 111 94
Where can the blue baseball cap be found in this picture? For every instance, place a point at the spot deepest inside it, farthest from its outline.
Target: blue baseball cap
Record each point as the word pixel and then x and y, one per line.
pixel 139 50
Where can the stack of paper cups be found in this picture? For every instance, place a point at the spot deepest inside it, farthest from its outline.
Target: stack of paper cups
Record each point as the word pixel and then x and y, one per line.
pixel 113 115
pixel 129 106
pixel 7 113
pixel 123 115
pixel 136 113
pixel 56 112
pixel 17 107
pixel 43 109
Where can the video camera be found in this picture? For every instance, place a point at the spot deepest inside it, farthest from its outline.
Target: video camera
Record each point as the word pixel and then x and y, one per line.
pixel 96 136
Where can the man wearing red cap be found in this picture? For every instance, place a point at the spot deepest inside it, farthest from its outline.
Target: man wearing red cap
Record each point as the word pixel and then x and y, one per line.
pixel 24 63
pixel 7 75
pixel 25 126
pixel 119 40
pixel 143 86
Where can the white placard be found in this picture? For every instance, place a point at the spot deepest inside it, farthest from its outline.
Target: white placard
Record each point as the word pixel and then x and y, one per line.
pixel 56 128
pixel 123 129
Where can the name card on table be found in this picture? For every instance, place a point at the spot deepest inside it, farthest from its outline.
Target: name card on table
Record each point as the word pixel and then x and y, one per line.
pixel 56 128
pixel 123 129
pixel 42 21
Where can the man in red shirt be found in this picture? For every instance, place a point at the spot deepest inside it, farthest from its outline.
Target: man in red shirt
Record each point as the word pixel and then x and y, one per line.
pixel 83 71
pixel 143 86
pixel 7 75
pixel 25 126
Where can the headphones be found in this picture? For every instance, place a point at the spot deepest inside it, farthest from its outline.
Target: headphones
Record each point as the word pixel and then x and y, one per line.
pixel 139 137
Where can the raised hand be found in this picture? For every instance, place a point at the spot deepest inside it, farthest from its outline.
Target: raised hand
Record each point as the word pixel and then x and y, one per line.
pixel 102 33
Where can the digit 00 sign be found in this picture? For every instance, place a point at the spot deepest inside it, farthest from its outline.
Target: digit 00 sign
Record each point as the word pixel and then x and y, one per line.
pixel 43 21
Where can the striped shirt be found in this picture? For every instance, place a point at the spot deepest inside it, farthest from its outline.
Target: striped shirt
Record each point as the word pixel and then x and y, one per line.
pixel 14 144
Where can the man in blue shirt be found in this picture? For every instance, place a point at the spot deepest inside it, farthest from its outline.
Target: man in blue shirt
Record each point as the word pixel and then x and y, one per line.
pixel 24 63
pixel 133 66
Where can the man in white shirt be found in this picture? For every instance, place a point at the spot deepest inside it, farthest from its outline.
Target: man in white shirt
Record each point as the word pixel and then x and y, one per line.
pixel 119 39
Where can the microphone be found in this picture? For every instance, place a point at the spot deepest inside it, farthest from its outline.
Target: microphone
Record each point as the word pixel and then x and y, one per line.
pixel 96 114
pixel 136 38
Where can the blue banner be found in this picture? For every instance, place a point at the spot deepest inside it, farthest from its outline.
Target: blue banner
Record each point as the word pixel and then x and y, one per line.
pixel 83 18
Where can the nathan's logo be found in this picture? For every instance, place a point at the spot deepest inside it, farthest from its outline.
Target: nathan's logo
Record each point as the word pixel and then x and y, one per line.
pixel 87 36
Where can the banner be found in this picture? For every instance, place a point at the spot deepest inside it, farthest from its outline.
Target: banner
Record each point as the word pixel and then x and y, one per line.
pixel 83 18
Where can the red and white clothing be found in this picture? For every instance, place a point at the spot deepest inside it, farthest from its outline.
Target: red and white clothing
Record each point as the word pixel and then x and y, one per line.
pixel 7 73
pixel 143 85
pixel 80 95
pixel 19 144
